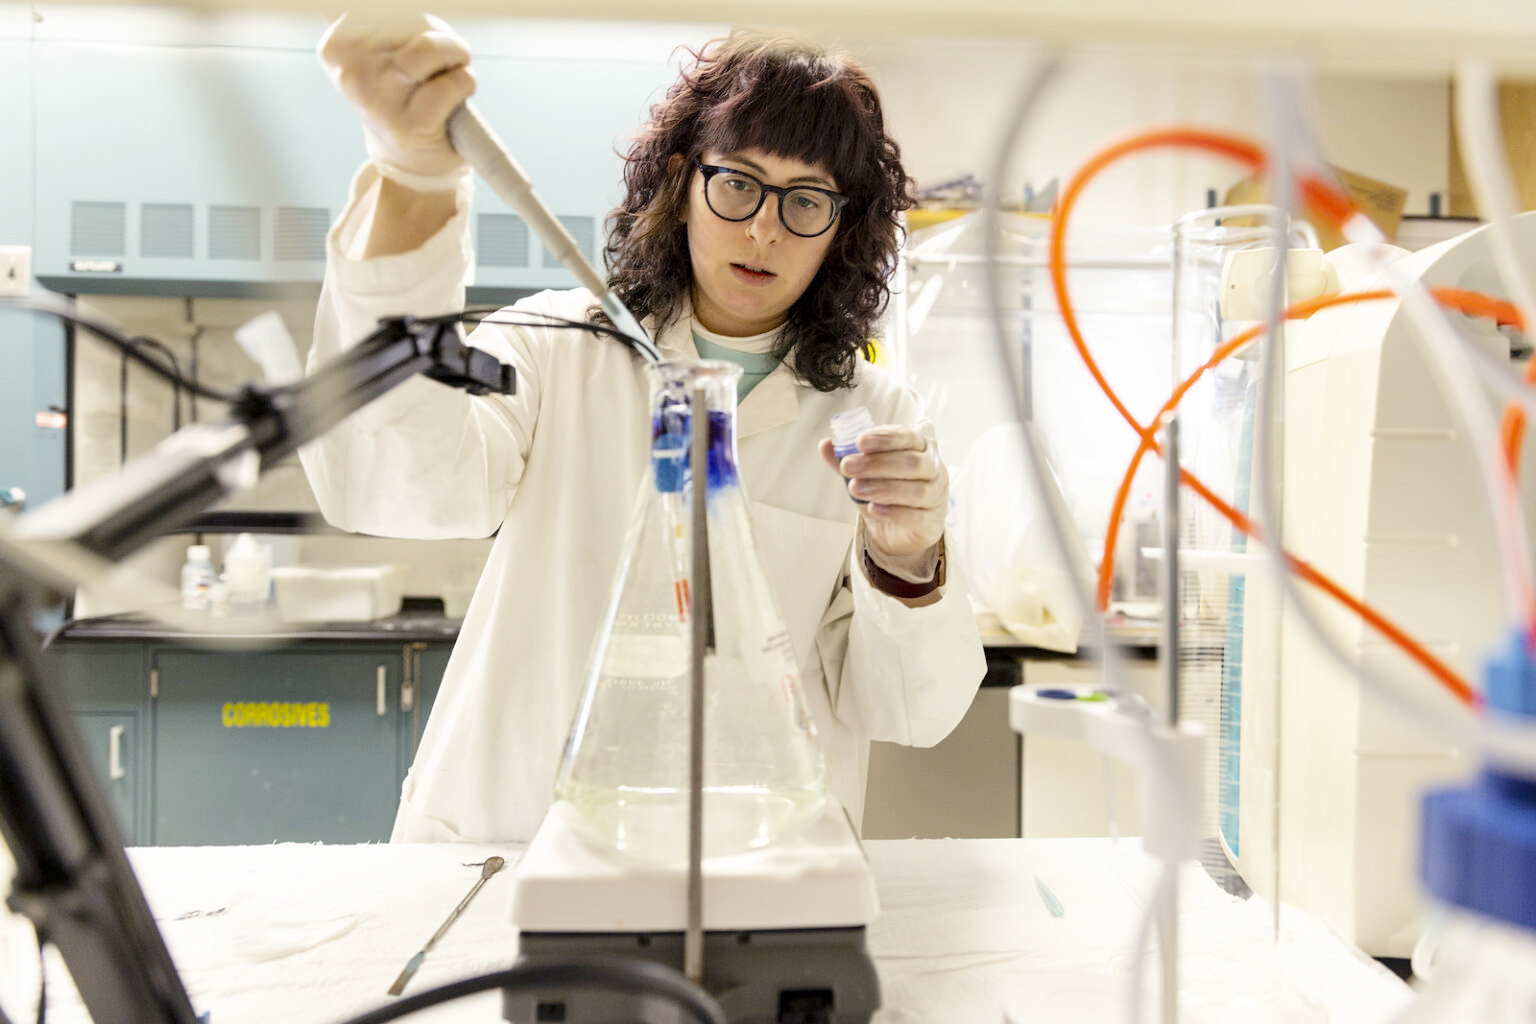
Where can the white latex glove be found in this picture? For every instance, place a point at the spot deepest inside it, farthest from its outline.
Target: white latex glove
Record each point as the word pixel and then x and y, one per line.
pixel 405 74
pixel 898 473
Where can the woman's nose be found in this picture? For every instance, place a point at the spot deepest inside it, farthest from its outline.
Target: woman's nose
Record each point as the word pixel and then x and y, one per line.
pixel 766 224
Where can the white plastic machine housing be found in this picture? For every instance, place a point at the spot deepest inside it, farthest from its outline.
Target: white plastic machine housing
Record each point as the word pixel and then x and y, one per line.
pixel 819 879
pixel 1380 493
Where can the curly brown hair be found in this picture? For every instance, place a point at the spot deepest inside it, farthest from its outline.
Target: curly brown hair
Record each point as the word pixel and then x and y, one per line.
pixel 795 100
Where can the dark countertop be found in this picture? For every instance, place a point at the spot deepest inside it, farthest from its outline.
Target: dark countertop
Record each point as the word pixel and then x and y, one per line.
pixel 410 624
pixel 423 619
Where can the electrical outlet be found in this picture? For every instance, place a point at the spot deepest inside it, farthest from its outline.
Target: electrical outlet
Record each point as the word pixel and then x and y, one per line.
pixel 15 270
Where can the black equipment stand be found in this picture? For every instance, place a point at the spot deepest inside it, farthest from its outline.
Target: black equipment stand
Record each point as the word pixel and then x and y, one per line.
pixel 73 879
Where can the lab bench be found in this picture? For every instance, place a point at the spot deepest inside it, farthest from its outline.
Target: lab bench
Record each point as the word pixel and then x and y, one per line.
pixel 307 738
pixel 314 933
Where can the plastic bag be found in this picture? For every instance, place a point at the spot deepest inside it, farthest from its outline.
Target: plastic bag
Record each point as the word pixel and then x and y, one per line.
pixel 998 529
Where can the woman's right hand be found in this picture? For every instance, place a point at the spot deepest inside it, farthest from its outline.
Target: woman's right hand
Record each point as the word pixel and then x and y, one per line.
pixel 405 74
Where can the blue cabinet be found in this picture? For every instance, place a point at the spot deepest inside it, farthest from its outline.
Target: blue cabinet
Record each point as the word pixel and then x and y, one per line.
pixel 106 685
pixel 285 745
pixel 112 738
pixel 181 155
pixel 304 743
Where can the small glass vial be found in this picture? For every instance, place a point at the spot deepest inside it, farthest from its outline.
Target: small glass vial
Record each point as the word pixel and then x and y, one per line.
pixel 846 428
pixel 197 578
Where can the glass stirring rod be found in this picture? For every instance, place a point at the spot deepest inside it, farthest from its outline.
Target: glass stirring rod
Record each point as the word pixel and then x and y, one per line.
pixel 491 867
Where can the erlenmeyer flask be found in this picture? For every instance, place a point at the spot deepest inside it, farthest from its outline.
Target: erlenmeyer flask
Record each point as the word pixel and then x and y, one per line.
pixel 625 767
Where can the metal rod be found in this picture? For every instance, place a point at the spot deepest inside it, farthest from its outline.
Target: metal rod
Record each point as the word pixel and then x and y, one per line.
pixel 1170 944
pixel 1169 911
pixel 1171 567
pixel 703 640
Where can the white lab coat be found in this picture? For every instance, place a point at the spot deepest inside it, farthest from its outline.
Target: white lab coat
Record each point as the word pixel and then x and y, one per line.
pixel 556 468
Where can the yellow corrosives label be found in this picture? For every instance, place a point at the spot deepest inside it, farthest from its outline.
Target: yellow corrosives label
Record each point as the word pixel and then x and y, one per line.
pixel 276 715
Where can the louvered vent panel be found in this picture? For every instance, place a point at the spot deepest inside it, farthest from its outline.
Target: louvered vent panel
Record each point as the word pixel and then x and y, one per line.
pixel 97 229
pixel 234 233
pixel 503 241
pixel 300 233
pixel 165 231
pixel 584 230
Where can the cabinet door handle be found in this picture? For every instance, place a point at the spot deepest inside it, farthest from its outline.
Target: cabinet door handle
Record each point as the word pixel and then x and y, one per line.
pixel 383 691
pixel 115 753
pixel 410 660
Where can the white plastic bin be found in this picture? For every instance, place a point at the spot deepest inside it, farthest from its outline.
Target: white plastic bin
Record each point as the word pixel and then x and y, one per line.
pixel 351 593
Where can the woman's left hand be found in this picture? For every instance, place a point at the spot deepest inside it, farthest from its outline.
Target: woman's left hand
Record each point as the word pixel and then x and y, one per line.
pixel 898 472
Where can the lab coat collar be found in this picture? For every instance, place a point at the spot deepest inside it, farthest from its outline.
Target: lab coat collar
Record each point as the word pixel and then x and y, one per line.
pixel 774 402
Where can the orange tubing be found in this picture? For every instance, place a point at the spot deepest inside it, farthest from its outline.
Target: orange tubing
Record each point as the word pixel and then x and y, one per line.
pixel 1434 666
pixel 1334 208
pixel 1472 303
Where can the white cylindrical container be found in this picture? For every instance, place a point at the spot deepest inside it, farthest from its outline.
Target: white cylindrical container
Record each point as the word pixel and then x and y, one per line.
pixel 248 572
pixel 197 578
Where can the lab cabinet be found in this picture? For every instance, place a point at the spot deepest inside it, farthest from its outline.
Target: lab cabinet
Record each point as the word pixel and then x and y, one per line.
pixel 112 740
pixel 105 686
pixel 306 742
pixel 295 744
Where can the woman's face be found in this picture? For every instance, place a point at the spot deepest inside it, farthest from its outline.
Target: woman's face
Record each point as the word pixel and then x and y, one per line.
pixel 747 274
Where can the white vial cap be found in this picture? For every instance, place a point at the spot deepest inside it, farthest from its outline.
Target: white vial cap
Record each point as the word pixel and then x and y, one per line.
pixel 846 428
pixel 199 553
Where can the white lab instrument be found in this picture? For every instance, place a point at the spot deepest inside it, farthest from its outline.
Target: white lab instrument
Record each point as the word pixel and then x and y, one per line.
pixel 1379 490
pixel 785 923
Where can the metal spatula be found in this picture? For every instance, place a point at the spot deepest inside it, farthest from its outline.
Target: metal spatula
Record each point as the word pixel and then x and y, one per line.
pixel 491 867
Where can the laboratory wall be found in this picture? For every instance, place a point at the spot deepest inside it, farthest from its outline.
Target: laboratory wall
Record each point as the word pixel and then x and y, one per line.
pixel 950 103
pixel 947 101
pixel 32 354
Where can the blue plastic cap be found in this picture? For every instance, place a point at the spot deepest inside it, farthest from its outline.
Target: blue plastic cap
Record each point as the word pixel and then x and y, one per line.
pixel 669 458
pixel 1509 677
pixel 1479 841
pixel 1479 852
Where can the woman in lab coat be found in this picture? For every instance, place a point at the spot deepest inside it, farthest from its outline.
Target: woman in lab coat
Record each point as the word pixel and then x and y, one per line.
pixel 882 629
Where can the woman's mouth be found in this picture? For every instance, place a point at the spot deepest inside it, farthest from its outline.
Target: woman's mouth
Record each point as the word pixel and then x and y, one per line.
pixel 747 273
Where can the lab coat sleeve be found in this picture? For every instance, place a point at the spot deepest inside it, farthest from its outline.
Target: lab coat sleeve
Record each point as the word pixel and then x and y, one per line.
pixel 424 460
pixel 899 673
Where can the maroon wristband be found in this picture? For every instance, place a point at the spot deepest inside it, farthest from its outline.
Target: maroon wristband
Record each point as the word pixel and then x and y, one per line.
pixel 888 583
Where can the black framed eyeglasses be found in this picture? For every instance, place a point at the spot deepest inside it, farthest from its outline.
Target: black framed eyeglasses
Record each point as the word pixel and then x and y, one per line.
pixel 804 210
